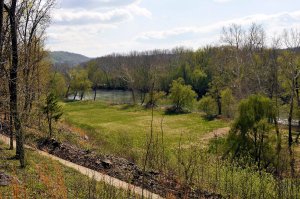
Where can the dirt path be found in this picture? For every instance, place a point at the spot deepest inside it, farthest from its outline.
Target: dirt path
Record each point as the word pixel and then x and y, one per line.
pixel 216 133
pixel 94 174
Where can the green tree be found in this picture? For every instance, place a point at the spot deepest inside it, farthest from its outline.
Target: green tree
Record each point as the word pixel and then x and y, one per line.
pixel 152 98
pixel 220 71
pixel 80 82
pixel 199 81
pixel 250 132
pixel 95 76
pixel 52 111
pixel 208 105
pixel 228 103
pixel 58 85
pixel 181 95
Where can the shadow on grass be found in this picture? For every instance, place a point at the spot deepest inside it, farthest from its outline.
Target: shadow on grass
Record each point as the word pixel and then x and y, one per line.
pixel 13 157
pixel 127 106
pixel 70 100
pixel 176 111
pixel 209 117
pixel 134 107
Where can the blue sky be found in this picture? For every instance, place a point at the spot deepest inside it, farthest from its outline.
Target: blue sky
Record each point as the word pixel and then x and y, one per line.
pixel 100 27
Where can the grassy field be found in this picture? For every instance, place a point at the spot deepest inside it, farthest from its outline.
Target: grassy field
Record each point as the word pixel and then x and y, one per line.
pixel 123 129
pixel 45 178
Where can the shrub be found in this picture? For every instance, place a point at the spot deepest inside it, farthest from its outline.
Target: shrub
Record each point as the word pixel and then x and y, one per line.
pixel 250 134
pixel 228 103
pixel 181 95
pixel 208 105
pixel 153 98
pixel 58 85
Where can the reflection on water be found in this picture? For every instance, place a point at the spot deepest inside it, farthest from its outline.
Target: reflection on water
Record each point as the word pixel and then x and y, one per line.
pixel 112 96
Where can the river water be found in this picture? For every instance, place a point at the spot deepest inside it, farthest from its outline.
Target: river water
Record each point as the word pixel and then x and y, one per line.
pixel 111 96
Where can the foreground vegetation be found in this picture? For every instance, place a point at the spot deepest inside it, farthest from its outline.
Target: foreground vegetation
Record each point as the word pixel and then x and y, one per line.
pixel 45 178
pixel 195 162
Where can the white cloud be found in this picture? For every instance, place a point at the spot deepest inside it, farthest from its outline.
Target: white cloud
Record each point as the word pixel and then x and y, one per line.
pixel 94 4
pixel 137 10
pixel 84 17
pixel 100 31
pixel 79 25
pixel 99 15
pixel 273 23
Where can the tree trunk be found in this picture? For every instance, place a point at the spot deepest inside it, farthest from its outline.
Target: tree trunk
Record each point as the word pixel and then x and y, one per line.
pixel 95 94
pixel 26 93
pixel 133 96
pixel 1 23
pixel 255 145
pixel 290 118
pixel 1 31
pixel 67 93
pixel 290 138
pixel 298 99
pixel 278 145
pixel 219 105
pixel 143 97
pixel 81 96
pixel 13 85
pixel 11 133
pixel 75 95
pixel 292 162
pixel 50 126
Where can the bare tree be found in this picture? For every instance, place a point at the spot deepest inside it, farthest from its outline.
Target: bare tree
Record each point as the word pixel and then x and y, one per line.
pixel 234 36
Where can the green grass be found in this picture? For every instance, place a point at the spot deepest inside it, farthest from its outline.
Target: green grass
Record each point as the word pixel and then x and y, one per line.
pixel 123 129
pixel 45 178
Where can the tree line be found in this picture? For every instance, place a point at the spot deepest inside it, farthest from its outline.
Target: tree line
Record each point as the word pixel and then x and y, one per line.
pixel 243 64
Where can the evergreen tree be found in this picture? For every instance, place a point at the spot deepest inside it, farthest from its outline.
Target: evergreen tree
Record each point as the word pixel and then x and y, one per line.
pixel 52 111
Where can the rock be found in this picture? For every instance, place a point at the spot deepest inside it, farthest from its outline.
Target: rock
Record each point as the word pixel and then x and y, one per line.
pixel 98 162
pixel 55 143
pixel 154 172
pixel 5 179
pixel 106 163
pixel 85 137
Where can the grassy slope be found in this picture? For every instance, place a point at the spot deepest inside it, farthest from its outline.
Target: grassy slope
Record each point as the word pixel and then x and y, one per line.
pixel 45 178
pixel 112 128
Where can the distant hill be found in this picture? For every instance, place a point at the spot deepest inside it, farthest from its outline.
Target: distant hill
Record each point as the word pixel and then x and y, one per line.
pixel 67 58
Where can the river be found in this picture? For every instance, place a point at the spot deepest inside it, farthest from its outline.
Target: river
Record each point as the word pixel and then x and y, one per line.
pixel 111 96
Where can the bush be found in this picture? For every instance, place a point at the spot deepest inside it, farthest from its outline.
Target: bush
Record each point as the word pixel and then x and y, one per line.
pixel 228 103
pixel 250 134
pixel 181 95
pixel 209 106
pixel 153 98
